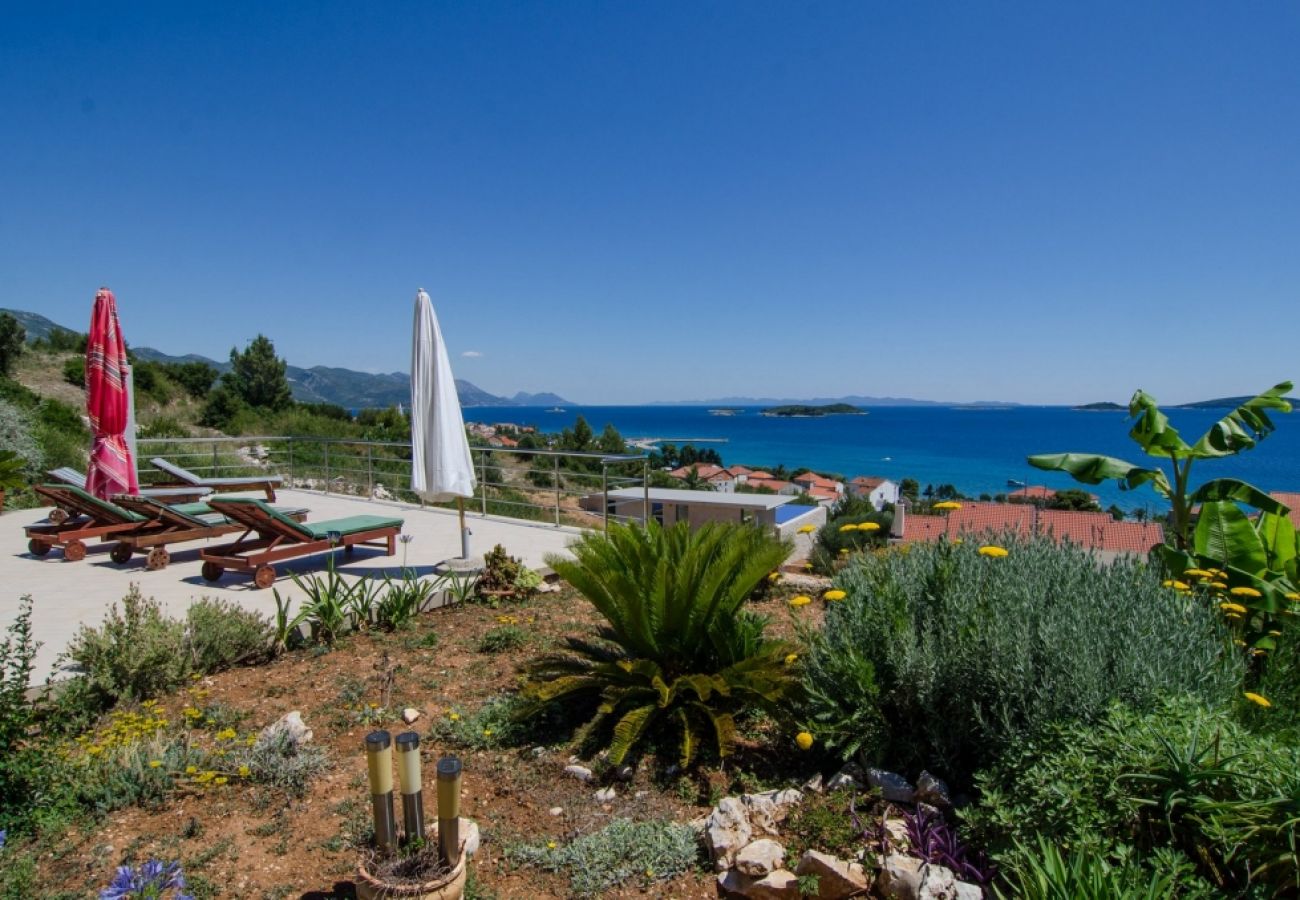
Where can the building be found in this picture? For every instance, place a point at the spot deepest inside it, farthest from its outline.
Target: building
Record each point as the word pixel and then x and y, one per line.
pixel 1292 501
pixel 668 506
pixel 824 490
pixel 879 491
pixel 1040 494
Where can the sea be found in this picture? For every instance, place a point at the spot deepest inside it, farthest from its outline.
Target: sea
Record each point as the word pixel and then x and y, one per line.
pixel 976 449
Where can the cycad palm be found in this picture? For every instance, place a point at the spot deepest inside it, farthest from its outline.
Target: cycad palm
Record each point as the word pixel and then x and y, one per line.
pixel 677 645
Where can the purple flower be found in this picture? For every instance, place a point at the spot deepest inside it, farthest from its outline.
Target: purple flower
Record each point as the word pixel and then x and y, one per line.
pixel 152 881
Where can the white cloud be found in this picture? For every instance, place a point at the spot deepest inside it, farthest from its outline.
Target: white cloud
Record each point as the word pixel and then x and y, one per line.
pixel 471 354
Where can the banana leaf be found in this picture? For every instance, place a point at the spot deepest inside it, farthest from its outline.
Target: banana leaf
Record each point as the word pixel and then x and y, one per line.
pixel 1245 426
pixel 1091 468
pixel 1225 535
pixel 1152 430
pixel 1241 492
pixel 1278 536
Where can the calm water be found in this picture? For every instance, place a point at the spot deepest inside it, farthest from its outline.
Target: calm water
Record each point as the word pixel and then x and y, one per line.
pixel 976 450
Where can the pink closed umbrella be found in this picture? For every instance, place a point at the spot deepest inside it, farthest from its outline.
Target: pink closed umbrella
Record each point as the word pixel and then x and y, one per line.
pixel 112 470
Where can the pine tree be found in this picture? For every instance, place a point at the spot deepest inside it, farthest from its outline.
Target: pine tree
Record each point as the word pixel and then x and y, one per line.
pixel 257 375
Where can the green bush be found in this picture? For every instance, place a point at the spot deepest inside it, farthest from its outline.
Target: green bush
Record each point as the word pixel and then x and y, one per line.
pixel 1177 789
pixel 276 760
pixel 620 852
pixel 497 723
pixel 163 427
pixel 221 634
pixel 137 652
pixel 940 657
pixel 1276 677
pixel 74 371
pixel 677 649
pixel 23 767
pixel 502 638
pixel 1045 873
pixel 17 436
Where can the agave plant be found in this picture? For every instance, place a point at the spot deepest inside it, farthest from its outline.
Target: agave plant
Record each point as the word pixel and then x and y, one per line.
pixel 677 648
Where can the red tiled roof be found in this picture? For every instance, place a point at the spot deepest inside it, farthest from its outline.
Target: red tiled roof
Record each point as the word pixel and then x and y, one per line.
pixel 721 475
pixel 705 471
pixel 1032 492
pixel 739 470
pixel 759 473
pixel 924 528
pixel 773 484
pixel 1094 530
pixel 823 493
pixel 869 482
pixel 1292 500
pixel 815 480
pixel 1099 531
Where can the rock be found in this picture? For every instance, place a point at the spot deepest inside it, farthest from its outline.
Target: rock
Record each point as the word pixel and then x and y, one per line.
pixel 813 785
pixel 698 825
pixel 893 787
pixel 779 885
pixel 900 877
pixel 641 795
pixel 937 883
pixel 538 752
pixel 291 725
pixel 469 833
pixel 968 891
pixel 760 857
pixel 933 791
pixel 624 773
pixel 896 830
pixel 836 878
pixel 769 808
pixel 381 493
pixel 556 810
pixel 726 832
pixel 410 714
pixel 582 773
pixel 604 795
pixel 848 777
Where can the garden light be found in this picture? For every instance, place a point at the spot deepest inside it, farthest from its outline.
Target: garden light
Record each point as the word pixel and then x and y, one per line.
pixel 408 773
pixel 379 762
pixel 449 772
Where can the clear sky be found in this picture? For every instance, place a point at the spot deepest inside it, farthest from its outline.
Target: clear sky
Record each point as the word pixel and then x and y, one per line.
pixel 634 201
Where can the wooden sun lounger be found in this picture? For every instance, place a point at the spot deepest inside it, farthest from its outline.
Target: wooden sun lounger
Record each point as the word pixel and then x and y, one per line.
pixel 280 537
pixel 69 475
pixel 95 518
pixel 172 525
pixel 180 476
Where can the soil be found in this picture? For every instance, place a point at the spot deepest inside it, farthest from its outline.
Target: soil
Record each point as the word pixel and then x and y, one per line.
pixel 243 840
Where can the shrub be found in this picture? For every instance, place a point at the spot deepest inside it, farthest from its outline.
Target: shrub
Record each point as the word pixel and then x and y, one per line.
pixel 621 851
pixel 22 767
pixel 500 571
pixel 137 653
pixel 163 427
pixel 1045 873
pixel 677 647
pixel 503 638
pixel 221 634
pixel 74 371
pixel 1182 787
pixel 402 600
pixel 942 656
pixel 276 759
pixel 17 437
pixel 497 723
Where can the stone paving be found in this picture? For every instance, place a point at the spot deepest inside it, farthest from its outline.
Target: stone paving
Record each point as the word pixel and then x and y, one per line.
pixel 68 594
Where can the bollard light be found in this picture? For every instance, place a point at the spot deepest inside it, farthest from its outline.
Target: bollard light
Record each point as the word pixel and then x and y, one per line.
pixel 449 771
pixel 408 773
pixel 379 762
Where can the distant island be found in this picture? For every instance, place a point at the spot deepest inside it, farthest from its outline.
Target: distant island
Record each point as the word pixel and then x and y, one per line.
pixel 1103 406
pixel 830 409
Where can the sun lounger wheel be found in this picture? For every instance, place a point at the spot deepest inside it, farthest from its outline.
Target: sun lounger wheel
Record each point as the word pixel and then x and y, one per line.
pixel 158 558
pixel 57 516
pixel 121 553
pixel 264 577
pixel 212 572
pixel 74 551
pixel 37 548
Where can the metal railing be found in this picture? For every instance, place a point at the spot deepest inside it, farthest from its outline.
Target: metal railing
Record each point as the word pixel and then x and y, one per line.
pixel 556 487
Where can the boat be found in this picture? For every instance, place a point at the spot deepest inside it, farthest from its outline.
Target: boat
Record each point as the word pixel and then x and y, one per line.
pixel 555 409
pixel 1011 482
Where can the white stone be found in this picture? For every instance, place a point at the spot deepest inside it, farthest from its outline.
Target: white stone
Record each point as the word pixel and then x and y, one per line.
pixel 410 714
pixel 769 808
pixel 604 795
pixel 726 831
pixel 836 878
pixel 900 877
pixel 896 829
pixel 582 773
pixel 556 810
pixel 469 834
pixel 932 790
pixel 968 891
pixel 290 723
pixel 759 858
pixel 937 883
pixel 779 885
pixel 813 785
pixel 624 773
pixel 893 787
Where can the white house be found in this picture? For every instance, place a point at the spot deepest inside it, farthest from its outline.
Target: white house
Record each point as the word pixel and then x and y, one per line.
pixel 878 491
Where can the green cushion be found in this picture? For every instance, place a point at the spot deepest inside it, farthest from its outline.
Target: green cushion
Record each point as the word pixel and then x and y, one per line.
pixel 84 500
pixel 351 525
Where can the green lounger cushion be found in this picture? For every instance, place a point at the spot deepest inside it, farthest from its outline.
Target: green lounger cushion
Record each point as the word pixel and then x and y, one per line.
pixel 351 525
pixel 80 500
pixel 314 532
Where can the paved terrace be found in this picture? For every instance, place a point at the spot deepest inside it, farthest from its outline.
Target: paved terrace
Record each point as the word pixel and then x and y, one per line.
pixel 67 595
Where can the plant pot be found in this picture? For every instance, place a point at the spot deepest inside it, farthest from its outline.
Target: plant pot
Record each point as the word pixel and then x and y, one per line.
pixel 450 886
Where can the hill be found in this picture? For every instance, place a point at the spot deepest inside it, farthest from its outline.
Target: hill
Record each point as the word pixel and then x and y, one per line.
pixel 319 384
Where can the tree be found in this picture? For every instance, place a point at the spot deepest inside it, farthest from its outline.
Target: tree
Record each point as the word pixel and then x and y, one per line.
pixel 257 376
pixel 222 406
pixel 1116 512
pixel 1072 498
pixel 12 338
pixel 692 481
pixel 196 377
pixel 910 488
pixel 611 442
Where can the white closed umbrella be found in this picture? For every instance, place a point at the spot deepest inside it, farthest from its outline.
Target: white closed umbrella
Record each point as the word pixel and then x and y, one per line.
pixel 441 467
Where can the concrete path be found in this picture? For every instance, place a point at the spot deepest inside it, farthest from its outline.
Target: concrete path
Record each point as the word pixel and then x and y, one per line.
pixel 67 595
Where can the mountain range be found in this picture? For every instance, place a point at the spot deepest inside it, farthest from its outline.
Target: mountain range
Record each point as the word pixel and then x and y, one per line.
pixel 319 384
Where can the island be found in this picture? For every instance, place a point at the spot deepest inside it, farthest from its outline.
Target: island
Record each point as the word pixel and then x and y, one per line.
pixel 1103 406
pixel 832 409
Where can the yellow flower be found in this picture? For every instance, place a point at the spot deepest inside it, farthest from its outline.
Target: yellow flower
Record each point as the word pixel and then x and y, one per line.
pixel 947 504
pixel 790 658
pixel 94 749
pixel 1232 607
pixel 801 600
pixel 807 529
pixel 1293 597
pixel 550 845
pixel 993 551
pixel 1218 586
pixel 1245 592
pixel 848 527
pixel 226 734
pixel 1239 642
pixel 487 732
pixel 190 770
pixel 868 526
pixel 1257 699
pixel 220 780
pixel 244 771
pixel 808 566
pixel 191 713
pixel 773 576
pixel 1276 633
pixel 155 763
pixel 1196 573
pixel 455 717
pixel 834 595
pixel 803 740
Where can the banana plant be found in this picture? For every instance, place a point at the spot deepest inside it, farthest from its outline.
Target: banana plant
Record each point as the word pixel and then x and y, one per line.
pixel 1260 554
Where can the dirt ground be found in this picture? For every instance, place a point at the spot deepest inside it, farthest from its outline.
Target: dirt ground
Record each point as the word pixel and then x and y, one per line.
pixel 242 840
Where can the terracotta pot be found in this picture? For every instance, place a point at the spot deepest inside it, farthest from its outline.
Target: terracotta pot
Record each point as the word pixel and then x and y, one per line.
pixel 448 887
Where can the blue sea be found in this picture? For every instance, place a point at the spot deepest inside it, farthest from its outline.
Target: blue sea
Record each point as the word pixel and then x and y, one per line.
pixel 977 450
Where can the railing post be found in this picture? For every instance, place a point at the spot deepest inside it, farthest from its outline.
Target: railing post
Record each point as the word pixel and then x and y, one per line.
pixel 604 490
pixel 370 469
pixel 293 479
pixel 327 467
pixel 482 477
pixel 555 480
pixel 215 472
pixel 645 485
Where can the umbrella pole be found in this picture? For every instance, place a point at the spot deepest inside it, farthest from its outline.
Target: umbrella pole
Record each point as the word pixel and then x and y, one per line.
pixel 464 532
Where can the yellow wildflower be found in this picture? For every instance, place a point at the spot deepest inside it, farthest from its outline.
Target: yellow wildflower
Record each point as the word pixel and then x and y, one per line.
pixel 191 713
pixel 801 600
pixel 550 845
pixel 1257 699
pixel 1218 586
pixel 220 780
pixel 790 658
pixel 155 763
pixel 244 771
pixel 807 529
pixel 190 770
pixel 1245 592
pixel 226 734
pixel 848 527
pixel 947 504
pixel 773 576
pixel 1239 642
pixel 993 551
pixel 834 595
pixel 1196 573
pixel 1293 597
pixel 1232 607
pixel 455 717
pixel 868 526
pixel 487 732
pixel 803 740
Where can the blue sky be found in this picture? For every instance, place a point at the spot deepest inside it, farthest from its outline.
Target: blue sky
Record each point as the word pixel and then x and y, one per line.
pixel 626 201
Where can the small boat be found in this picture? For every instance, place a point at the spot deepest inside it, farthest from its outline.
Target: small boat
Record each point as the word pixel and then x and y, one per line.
pixel 555 409
pixel 1011 482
